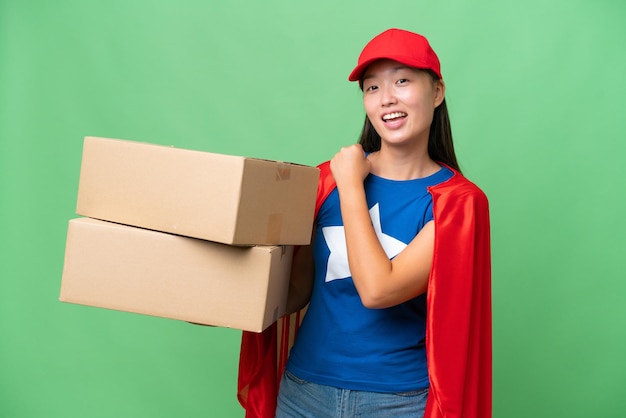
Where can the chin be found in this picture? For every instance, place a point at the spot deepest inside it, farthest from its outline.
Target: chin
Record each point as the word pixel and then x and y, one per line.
pixel 396 141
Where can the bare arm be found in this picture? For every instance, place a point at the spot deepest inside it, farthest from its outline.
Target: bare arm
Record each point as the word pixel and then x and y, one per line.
pixel 379 281
pixel 302 275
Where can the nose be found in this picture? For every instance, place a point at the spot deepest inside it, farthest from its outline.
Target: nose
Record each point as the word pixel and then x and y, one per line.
pixel 388 96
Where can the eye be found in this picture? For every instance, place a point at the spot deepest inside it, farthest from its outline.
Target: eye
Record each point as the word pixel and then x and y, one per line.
pixel 371 87
pixel 402 81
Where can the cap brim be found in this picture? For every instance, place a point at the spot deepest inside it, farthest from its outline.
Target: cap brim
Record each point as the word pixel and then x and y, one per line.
pixel 357 73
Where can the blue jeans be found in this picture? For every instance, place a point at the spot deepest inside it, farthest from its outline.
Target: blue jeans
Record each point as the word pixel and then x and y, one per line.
pixel 299 398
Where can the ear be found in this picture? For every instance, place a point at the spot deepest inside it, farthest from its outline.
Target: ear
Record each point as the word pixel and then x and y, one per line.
pixel 440 92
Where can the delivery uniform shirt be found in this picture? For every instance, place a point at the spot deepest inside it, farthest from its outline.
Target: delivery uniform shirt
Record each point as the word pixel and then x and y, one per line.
pixel 343 344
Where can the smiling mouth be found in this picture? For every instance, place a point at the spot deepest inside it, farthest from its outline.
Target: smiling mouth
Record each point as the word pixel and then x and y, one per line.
pixel 393 116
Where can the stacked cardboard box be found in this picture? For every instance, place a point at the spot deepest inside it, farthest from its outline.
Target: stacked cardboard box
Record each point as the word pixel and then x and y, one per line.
pixel 188 235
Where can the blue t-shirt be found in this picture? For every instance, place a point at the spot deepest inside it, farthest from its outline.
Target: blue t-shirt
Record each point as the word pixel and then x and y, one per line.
pixel 343 344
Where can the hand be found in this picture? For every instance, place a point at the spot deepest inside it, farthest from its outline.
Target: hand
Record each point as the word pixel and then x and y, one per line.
pixel 350 166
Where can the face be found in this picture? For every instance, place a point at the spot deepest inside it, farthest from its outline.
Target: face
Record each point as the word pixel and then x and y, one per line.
pixel 400 102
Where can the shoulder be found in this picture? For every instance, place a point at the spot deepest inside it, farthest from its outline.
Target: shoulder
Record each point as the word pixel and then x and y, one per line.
pixel 459 185
pixel 325 186
pixel 324 167
pixel 326 176
pixel 458 190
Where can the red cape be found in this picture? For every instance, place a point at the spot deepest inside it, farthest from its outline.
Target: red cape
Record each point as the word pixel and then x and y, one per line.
pixel 458 329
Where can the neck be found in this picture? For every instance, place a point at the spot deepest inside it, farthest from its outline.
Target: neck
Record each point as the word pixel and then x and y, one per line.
pixel 402 163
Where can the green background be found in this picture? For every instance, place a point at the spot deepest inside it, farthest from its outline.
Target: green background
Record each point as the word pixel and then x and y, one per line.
pixel 536 94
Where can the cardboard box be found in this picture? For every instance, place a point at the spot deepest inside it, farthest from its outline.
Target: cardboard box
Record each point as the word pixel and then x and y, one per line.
pixel 223 198
pixel 131 269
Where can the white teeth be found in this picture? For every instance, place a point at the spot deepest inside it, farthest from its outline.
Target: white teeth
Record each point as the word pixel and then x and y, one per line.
pixel 393 115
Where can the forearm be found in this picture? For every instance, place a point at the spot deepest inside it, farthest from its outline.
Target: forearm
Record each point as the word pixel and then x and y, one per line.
pixel 369 264
pixel 302 276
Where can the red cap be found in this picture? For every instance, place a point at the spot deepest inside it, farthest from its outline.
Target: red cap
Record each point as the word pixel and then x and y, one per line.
pixel 406 47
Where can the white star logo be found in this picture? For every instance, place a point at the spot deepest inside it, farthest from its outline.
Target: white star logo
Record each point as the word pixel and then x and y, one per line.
pixel 336 240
